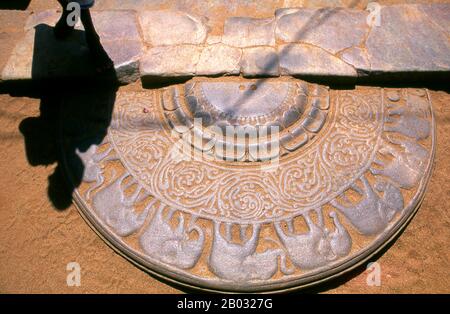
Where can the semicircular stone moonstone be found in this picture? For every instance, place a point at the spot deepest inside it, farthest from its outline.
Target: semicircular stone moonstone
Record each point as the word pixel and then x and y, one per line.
pixel 198 208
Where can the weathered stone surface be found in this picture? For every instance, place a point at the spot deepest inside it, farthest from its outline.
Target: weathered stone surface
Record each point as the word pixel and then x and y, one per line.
pixel 248 32
pixel 407 41
pixel 39 55
pixel 260 61
pixel 120 37
pixel 171 61
pixel 245 99
pixel 116 25
pixel 219 59
pixel 161 28
pixel 331 29
pixel 320 42
pixel 357 57
pixel 110 25
pixel 299 59
pixel 438 14
pixel 126 56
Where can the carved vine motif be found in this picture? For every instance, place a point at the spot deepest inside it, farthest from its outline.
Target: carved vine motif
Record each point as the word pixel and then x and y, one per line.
pixel 309 178
pixel 367 149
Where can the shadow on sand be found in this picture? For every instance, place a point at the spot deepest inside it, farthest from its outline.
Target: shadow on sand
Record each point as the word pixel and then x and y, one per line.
pixel 76 102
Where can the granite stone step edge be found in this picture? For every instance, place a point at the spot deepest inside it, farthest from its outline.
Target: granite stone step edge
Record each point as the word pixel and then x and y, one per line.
pixel 301 42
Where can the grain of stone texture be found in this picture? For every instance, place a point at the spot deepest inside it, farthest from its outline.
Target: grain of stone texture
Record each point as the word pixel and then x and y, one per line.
pixel 171 61
pixel 126 56
pixel 161 28
pixel 357 57
pixel 408 41
pixel 260 61
pixel 439 15
pixel 219 59
pixel 299 59
pixel 40 56
pixel 116 25
pixel 330 29
pixel 38 240
pixel 248 32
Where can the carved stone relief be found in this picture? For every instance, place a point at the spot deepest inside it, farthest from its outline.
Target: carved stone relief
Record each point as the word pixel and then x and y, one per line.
pixel 320 178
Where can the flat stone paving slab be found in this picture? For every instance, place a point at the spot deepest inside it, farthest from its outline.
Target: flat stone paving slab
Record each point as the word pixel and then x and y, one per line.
pixel 301 59
pixel 329 43
pixel 333 29
pixel 410 40
pixel 219 59
pixel 339 42
pixel 248 32
pixel 40 56
pixel 171 61
pixel 165 28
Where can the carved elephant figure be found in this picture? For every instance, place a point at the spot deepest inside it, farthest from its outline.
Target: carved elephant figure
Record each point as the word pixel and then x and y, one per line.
pixel 92 172
pixel 407 121
pixel 240 262
pixel 318 246
pixel 340 240
pixel 372 213
pixel 172 246
pixel 118 211
pixel 407 166
pixel 392 200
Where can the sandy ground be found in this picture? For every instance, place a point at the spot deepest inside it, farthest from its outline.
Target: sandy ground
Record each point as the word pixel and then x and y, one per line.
pixel 40 236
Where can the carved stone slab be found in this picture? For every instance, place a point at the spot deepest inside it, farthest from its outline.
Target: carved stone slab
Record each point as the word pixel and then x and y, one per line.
pixel 337 176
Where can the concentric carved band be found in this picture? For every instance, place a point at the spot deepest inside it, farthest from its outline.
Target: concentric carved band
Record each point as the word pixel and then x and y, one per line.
pixel 352 167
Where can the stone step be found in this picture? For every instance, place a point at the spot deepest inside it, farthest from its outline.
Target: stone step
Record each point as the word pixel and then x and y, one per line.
pixel 327 43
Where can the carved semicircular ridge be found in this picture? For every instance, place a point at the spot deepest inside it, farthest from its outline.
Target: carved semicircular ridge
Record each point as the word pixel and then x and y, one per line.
pixel 246 121
pixel 253 185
